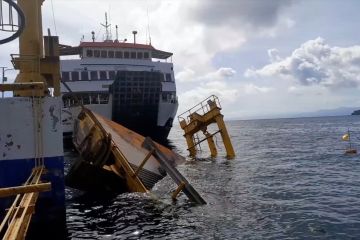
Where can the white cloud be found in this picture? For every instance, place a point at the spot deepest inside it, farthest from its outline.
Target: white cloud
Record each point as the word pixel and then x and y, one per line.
pixel 315 63
pixel 190 76
pixel 253 89
pixel 194 30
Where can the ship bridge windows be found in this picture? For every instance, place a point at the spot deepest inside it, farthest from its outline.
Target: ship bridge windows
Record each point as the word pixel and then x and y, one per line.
pixel 168 77
pixel 103 75
pixel 112 75
pixel 119 54
pixel 169 97
pixel 89 53
pixel 94 75
pixel 75 76
pixel 97 53
pixel 103 53
pixel 85 75
pixel 75 99
pixel 65 76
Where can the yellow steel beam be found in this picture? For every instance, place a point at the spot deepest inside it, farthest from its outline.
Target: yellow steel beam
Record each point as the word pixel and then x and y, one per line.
pixel 11 191
pixel 225 136
pixel 143 162
pixel 22 86
pixel 211 143
pixel 19 215
pixel 177 191
pixel 134 183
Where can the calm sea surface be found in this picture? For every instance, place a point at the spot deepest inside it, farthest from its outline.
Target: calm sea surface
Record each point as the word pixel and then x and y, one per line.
pixel 290 180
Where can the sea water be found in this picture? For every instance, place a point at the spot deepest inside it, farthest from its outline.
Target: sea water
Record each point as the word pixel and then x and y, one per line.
pixel 290 179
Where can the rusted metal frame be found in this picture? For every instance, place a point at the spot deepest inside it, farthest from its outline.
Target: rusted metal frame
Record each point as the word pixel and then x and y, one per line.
pixel 211 135
pixel 147 157
pixel 81 145
pixel 11 191
pixel 104 157
pixel 177 177
pixel 215 99
pixel 130 171
pixel 117 152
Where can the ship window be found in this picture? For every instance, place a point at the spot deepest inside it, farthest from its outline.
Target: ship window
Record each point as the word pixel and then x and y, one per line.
pixel 133 55
pixel 168 77
pixel 112 75
pixel 140 55
pixel 146 55
pixel 94 75
pixel 126 54
pixel 89 53
pixel 65 76
pixel 103 54
pixel 164 97
pixel 75 76
pixel 118 54
pixel 85 76
pixel 103 75
pixel 111 54
pixel 96 53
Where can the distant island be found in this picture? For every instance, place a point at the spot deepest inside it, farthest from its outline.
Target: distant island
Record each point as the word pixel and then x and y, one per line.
pixel 356 112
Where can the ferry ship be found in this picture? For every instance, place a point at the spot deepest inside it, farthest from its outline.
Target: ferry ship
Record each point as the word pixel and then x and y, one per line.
pixel 130 83
pixel 31 146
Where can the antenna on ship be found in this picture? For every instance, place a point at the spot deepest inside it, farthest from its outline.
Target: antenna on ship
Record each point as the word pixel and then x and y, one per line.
pixel 148 22
pixel 117 33
pixel 93 36
pixel 107 26
pixel 134 32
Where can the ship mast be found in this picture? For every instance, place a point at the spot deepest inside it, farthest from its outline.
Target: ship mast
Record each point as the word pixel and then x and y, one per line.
pixel 107 27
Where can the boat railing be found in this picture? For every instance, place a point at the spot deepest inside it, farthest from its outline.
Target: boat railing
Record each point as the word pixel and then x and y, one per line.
pixel 201 108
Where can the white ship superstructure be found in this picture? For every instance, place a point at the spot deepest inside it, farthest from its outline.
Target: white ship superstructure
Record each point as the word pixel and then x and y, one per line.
pixel 132 84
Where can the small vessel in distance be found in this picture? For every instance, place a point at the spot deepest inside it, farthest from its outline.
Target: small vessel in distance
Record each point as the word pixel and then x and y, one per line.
pixel 130 83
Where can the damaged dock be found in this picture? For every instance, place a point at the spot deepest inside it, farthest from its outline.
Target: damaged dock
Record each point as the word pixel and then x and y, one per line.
pixel 114 158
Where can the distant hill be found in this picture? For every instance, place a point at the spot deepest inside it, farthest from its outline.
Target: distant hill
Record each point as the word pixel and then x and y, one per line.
pixel 342 111
pixel 356 112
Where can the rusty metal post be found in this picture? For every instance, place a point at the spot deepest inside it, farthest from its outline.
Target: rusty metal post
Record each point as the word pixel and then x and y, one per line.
pixel 225 136
pixel 211 144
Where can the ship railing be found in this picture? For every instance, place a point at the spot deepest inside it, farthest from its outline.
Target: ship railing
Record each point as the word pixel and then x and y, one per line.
pixel 200 108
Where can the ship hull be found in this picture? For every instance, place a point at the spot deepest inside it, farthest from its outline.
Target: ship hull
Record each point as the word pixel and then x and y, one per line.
pixel 30 132
pixel 142 120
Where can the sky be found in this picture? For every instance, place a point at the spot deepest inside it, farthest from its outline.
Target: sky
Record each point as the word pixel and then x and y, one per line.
pixel 261 58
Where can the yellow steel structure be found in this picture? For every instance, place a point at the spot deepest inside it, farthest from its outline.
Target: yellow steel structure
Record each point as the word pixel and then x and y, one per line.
pixel 34 64
pixel 198 119
pixel 92 131
pixel 18 216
